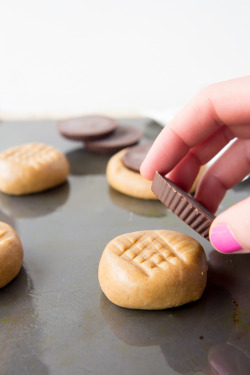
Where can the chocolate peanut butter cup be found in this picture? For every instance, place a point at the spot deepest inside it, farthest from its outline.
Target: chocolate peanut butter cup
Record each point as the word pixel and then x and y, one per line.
pixel 87 128
pixel 183 205
pixel 123 136
pixel 135 156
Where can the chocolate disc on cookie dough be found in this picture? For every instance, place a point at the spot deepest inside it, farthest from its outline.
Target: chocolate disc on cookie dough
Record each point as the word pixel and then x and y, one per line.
pixel 135 156
pixel 86 127
pixel 126 181
pixel 183 205
pixel 122 137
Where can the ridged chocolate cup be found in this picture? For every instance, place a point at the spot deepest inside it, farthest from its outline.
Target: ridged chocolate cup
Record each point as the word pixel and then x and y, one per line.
pixel 87 128
pixel 123 136
pixel 183 205
pixel 135 156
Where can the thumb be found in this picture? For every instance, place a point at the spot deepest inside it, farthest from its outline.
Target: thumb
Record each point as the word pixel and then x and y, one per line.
pixel 230 230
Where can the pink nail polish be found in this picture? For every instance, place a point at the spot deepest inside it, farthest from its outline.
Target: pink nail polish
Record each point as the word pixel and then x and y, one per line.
pixel 223 239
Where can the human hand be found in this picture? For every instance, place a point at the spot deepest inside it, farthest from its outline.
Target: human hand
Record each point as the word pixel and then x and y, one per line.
pixel 217 115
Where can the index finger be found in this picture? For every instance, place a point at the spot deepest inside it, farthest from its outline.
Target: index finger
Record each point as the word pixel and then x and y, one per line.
pixel 223 104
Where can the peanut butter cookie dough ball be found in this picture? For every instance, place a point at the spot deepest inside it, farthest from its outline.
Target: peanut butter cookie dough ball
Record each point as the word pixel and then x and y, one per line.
pixel 31 168
pixel 123 173
pixel 153 270
pixel 127 181
pixel 11 254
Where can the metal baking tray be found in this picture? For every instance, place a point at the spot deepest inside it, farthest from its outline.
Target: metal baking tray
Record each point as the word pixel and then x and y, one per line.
pixel 54 317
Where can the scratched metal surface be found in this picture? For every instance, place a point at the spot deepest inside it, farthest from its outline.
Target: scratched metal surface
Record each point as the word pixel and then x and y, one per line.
pixel 54 318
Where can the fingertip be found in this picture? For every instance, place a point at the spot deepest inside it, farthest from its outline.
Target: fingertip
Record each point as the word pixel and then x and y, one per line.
pixel 229 232
pixel 146 172
pixel 223 239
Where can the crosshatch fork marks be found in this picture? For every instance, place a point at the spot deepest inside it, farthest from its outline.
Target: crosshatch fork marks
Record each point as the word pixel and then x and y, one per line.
pixel 178 254
pixel 148 251
pixel 33 154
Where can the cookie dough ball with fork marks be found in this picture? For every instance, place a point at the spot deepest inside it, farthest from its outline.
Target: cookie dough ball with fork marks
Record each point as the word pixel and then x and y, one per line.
pixel 31 168
pixel 153 269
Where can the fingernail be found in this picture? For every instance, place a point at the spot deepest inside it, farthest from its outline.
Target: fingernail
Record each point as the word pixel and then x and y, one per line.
pixel 223 239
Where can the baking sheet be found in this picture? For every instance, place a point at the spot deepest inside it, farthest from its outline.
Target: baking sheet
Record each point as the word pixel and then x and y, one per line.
pixel 54 317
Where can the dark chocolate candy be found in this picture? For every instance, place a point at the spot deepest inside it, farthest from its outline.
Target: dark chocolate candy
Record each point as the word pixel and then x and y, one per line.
pixel 87 127
pixel 123 136
pixel 135 156
pixel 183 205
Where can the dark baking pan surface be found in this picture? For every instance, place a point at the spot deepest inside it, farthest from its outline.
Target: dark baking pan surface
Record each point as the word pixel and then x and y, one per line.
pixel 54 317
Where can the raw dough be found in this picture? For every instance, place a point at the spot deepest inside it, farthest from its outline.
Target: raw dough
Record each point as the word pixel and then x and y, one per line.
pixel 130 182
pixel 154 269
pixel 11 254
pixel 31 167
pixel 127 181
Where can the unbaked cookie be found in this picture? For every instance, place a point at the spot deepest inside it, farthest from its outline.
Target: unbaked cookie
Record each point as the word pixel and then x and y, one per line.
pixel 31 168
pixel 154 269
pixel 11 254
pixel 123 172
pixel 125 180
pixel 135 155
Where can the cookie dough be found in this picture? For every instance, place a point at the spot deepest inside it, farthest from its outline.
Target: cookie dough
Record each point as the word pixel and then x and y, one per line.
pixel 127 181
pixel 11 254
pixel 154 269
pixel 31 168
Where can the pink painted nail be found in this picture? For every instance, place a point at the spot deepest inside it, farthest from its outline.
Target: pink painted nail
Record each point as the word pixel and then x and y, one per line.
pixel 223 239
